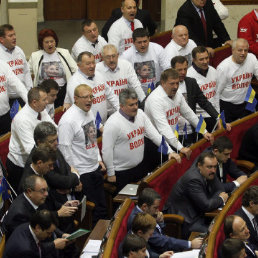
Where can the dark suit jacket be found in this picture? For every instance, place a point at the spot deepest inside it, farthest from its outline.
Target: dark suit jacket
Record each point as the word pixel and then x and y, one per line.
pixel 158 242
pixel 142 15
pixel 61 177
pixel 191 196
pixel 188 16
pixel 21 244
pixel 253 239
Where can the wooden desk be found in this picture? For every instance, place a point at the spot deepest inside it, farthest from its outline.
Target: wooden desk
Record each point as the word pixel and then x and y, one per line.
pixel 212 214
pixel 120 198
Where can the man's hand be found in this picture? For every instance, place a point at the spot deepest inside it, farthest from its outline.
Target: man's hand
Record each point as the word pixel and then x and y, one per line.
pixel 78 188
pixel 66 211
pixel 228 127
pixel 210 51
pixel 224 196
pixel 66 106
pixel 187 151
pixel 72 203
pixel 196 243
pixel 160 217
pixel 228 42
pixel 241 179
pixel 111 179
pixel 167 254
pixel 60 243
pixel 103 167
pixel 175 156
pixel 209 137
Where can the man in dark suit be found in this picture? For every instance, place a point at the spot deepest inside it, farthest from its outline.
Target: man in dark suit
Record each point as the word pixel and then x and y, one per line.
pixel 249 213
pixel 235 227
pixel 222 148
pixel 26 239
pixel 196 192
pixel 201 19
pixel 148 202
pixel 142 15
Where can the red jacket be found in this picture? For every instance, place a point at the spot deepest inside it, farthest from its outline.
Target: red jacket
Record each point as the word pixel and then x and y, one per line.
pixel 248 29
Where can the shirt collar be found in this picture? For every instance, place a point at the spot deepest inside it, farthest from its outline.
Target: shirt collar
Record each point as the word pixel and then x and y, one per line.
pixel 199 70
pixel 83 74
pixel 138 208
pixel 128 23
pixel 80 110
pixel 34 113
pixel 34 170
pixel 89 42
pixel 248 214
pixel 196 8
pixel 6 49
pixel 129 118
pixel 106 68
pixel 178 47
pixel 256 13
pixel 29 200
pixel 33 235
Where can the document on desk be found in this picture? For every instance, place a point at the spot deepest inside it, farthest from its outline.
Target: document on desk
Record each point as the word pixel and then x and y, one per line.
pixel 189 254
pixel 91 249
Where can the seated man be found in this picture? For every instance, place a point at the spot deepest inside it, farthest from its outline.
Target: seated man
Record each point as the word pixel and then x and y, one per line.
pixel 233 248
pixel 148 202
pixel 249 213
pixel 222 148
pixel 26 240
pixel 196 192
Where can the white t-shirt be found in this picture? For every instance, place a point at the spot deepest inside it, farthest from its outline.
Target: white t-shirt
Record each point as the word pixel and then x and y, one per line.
pixel 83 44
pixel 164 113
pixel 173 49
pixel 120 34
pixel 52 68
pixel 148 66
pixel 123 141
pixel 77 130
pixel 17 62
pixel 234 79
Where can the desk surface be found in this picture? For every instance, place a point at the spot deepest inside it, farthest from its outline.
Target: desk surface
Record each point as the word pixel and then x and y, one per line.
pixel 120 198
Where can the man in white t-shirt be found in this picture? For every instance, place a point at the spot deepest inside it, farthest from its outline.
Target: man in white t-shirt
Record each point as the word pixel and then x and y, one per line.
pixel 180 45
pixel 78 143
pixel 147 58
pixel 89 41
pixel 118 73
pixel 15 58
pixel 120 33
pixel 123 141
pixel 234 77
pixel 164 106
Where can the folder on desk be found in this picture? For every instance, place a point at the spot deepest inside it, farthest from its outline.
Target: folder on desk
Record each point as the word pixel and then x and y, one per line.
pixel 129 189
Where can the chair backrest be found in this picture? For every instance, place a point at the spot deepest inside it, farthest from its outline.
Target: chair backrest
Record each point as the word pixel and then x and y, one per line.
pixel 119 230
pixel 2 246
pixel 220 54
pixel 162 38
pixel 4 147
pixel 58 114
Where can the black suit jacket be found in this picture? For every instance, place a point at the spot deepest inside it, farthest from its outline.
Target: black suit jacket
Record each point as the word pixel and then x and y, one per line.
pixel 142 15
pixel 21 244
pixel 191 196
pixel 253 239
pixel 188 16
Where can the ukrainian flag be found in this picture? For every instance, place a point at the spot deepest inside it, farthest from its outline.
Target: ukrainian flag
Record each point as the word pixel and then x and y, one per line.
pixel 222 120
pixel 16 107
pixel 176 131
pixel 98 120
pixel 150 87
pixel 250 94
pixel 201 126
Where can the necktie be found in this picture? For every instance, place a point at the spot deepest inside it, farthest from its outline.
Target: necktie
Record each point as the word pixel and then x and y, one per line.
pixel 255 225
pixel 204 24
pixel 90 78
pixel 39 249
pixel 39 116
pixel 132 26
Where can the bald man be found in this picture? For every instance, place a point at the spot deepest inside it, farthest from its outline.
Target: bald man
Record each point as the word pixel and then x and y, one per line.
pixel 180 44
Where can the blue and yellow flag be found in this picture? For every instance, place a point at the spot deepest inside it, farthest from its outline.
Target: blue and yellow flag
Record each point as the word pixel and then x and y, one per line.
pixel 250 94
pixel 4 187
pixel 176 131
pixel 151 87
pixel 163 148
pixel 15 109
pixel 185 130
pixel 222 120
pixel 98 120
pixel 251 106
pixel 201 126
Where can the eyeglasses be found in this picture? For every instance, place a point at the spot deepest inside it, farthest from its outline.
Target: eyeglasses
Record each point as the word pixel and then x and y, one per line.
pixel 86 97
pixel 42 190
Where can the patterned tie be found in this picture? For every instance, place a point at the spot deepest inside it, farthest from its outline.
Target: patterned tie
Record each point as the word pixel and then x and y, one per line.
pixel 255 225
pixel 132 26
pixel 204 24
pixel 39 116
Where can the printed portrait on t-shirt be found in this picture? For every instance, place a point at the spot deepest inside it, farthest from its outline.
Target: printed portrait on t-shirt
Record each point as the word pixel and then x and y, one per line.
pixel 52 70
pixel 145 71
pixel 90 133
pixel 189 59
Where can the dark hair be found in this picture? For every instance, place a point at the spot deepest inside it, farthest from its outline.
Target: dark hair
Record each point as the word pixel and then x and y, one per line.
pixel 30 182
pixel 199 49
pixel 144 222
pixel 228 225
pixel 140 33
pixel 86 22
pixel 43 130
pixel 222 143
pixel 251 194
pixel 232 247
pixel 132 243
pixel 178 59
pixel 4 28
pixel 43 153
pixel 148 196
pixel 169 73
pixel 206 154
pixel 46 33
pixel 80 56
pixel 34 94
pixel 48 85
pixel 127 94
pixel 44 219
